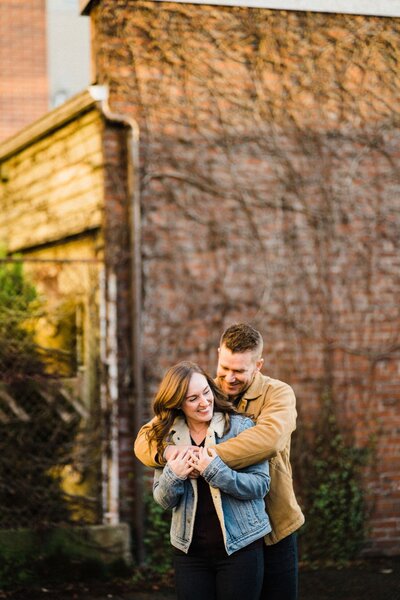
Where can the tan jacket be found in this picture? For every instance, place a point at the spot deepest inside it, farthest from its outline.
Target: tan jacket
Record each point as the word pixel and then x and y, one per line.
pixel 272 405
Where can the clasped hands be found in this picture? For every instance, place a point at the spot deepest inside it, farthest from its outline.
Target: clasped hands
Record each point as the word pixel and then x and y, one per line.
pixel 189 461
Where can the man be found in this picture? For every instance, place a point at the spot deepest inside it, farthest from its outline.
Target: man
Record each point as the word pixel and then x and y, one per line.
pixel 272 405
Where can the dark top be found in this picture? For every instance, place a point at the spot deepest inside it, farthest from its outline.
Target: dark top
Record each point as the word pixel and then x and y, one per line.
pixel 207 540
pixel 207 533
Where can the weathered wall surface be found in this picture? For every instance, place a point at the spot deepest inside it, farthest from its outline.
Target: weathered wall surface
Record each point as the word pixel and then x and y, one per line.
pixel 53 188
pixel 270 151
pixel 117 259
pixel 51 213
pixel 64 207
pixel 51 206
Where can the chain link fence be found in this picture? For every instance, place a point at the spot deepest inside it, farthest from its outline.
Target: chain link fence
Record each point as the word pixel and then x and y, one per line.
pixel 50 419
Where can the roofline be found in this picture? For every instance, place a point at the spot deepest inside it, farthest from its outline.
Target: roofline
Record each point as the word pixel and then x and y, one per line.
pixel 78 104
pixel 383 8
pixel 85 6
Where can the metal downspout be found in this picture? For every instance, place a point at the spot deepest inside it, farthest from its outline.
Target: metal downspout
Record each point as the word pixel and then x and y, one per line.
pixel 101 94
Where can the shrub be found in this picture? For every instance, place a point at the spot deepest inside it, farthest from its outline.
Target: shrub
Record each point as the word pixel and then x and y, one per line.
pixel 335 509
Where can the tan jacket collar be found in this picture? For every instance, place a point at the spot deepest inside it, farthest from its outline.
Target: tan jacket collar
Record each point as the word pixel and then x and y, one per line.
pixel 180 428
pixel 256 387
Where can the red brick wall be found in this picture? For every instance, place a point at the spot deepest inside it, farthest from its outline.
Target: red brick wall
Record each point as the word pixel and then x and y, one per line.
pixel 23 64
pixel 269 185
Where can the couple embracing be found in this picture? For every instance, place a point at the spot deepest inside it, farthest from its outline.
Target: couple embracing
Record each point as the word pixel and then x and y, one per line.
pixel 221 453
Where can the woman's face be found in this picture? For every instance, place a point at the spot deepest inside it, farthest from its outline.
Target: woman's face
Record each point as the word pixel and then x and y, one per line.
pixel 198 406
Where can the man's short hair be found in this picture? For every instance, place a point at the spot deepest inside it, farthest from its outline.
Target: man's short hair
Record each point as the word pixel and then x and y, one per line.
pixel 242 337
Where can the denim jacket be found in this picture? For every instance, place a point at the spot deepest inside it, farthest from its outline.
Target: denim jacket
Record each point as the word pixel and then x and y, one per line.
pixel 238 496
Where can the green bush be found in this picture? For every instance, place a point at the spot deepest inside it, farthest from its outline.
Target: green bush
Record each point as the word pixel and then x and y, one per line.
pixel 335 510
pixel 156 573
pixel 157 541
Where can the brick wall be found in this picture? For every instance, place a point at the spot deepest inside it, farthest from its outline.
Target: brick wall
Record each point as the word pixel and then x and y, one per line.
pixel 23 64
pixel 269 184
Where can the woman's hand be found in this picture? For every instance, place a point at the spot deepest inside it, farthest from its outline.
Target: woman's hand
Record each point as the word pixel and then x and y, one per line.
pixel 170 450
pixel 179 462
pixel 201 459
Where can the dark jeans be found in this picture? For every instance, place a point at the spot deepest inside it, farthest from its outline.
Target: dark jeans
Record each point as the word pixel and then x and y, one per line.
pixel 281 570
pixel 235 577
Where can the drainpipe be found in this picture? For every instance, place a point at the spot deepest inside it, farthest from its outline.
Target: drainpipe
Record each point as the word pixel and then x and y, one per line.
pixel 100 93
pixel 109 396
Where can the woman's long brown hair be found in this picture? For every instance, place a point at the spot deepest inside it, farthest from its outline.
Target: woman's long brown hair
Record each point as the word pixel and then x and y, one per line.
pixel 170 396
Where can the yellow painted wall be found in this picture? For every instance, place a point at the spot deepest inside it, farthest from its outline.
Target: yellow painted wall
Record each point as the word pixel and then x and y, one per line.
pixel 53 188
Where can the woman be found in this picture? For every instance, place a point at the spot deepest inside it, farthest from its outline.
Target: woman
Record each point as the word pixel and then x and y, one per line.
pixel 219 518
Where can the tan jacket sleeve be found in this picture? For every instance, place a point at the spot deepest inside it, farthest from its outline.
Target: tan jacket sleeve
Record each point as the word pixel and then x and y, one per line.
pixel 275 422
pixel 144 452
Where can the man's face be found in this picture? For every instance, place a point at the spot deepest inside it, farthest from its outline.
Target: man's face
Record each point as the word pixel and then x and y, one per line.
pixel 235 371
